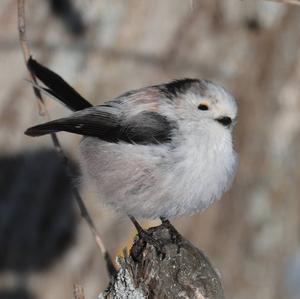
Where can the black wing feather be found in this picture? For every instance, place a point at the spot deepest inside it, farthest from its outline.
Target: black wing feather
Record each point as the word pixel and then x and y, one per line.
pixel 145 128
pixel 58 87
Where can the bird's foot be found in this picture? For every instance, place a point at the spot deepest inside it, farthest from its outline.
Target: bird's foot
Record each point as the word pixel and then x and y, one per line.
pixel 175 236
pixel 148 238
pixel 168 225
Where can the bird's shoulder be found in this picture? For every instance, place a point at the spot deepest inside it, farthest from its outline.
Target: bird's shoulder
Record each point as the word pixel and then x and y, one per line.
pixel 135 101
pixel 133 117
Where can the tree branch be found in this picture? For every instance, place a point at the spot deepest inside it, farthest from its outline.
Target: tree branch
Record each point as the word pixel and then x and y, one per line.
pixel 177 270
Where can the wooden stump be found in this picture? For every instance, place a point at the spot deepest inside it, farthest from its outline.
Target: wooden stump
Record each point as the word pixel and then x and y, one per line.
pixel 176 269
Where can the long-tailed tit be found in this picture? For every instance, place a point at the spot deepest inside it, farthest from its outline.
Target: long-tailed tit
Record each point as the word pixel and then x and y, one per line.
pixel 159 151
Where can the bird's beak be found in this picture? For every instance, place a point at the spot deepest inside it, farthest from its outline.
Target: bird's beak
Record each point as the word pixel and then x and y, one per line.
pixel 224 120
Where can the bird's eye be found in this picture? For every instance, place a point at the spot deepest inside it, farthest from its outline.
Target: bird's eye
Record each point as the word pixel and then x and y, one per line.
pixel 203 107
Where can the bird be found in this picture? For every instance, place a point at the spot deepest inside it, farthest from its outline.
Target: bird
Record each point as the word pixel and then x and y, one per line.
pixel 160 151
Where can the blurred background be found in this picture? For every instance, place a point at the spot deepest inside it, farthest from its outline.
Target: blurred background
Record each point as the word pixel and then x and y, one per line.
pixel 104 48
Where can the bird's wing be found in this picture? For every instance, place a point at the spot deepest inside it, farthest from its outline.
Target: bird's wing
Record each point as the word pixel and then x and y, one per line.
pixel 109 124
pixel 57 87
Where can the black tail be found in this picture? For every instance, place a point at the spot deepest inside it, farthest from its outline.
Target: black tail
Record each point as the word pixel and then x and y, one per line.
pixel 45 128
pixel 58 87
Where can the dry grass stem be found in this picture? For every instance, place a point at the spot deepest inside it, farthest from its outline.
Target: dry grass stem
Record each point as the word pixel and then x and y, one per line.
pixel 44 112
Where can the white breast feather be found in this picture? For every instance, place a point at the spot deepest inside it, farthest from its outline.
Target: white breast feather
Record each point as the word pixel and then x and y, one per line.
pixel 160 181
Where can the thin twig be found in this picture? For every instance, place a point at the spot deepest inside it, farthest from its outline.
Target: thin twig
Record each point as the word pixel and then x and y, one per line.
pixel 295 2
pixel 78 291
pixel 26 52
pixel 43 111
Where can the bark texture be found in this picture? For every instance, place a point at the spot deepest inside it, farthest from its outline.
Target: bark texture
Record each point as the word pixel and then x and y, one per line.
pixel 175 269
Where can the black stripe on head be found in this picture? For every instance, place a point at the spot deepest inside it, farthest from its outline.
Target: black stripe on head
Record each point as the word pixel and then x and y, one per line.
pixel 176 87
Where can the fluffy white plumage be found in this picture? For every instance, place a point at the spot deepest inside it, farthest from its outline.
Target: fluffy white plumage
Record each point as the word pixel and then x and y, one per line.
pixel 159 151
pixel 180 177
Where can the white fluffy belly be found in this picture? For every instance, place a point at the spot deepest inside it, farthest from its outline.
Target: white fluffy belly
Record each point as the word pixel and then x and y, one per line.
pixel 156 181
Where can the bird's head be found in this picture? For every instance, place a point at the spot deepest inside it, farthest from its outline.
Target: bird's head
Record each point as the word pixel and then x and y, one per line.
pixel 202 100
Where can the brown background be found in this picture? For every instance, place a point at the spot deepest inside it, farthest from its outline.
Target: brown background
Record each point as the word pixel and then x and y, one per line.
pixel 250 47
